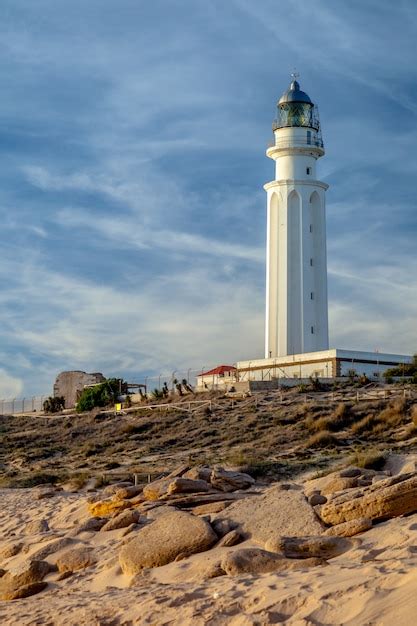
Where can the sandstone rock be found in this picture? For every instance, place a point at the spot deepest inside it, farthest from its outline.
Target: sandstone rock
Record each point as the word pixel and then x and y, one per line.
pixel 122 520
pixel 158 511
pixel 223 526
pixel 92 525
pixel 25 573
pixel 127 492
pixel 186 485
pixel 225 480
pixel 104 508
pixel 10 549
pixel 202 472
pixel 316 499
pixel 156 489
pixel 178 471
pixel 50 493
pixel 52 547
pixel 2 572
pixel 275 512
pixel 257 561
pixel 8 593
pixel 36 527
pixel 349 529
pixel 110 490
pixel 204 498
pixel 388 498
pixel 230 539
pixel 307 547
pixel 339 484
pixel 76 559
pixel 365 482
pixel 350 472
pixel 162 541
pixel 129 529
pixel 214 507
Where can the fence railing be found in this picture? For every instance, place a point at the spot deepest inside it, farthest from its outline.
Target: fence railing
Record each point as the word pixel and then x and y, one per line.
pixel 30 404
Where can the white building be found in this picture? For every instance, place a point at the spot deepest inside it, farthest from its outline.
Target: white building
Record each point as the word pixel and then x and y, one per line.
pixel 220 377
pixel 296 270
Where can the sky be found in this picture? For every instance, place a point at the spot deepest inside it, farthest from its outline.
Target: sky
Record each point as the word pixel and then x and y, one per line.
pixel 132 139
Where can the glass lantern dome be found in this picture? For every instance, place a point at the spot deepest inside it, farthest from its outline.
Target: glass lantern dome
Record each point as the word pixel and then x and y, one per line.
pixel 295 109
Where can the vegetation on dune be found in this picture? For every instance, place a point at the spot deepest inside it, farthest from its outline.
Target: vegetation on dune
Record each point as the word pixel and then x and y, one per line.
pixel 405 370
pixel 100 395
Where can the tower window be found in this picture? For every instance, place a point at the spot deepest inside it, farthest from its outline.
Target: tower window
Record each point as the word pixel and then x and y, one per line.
pixel 308 138
pixel 312 295
pixel 312 330
pixel 311 262
pixel 311 228
pixel 308 171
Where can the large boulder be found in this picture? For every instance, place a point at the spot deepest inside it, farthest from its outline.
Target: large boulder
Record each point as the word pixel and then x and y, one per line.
pixel 156 489
pixel 387 498
pixel 9 593
pixel 76 559
pixel 276 512
pixel 226 480
pixel 168 537
pixel 24 573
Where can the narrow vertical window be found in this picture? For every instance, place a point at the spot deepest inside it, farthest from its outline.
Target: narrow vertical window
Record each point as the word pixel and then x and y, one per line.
pixel 311 228
pixel 309 137
pixel 311 262
pixel 308 171
pixel 312 330
pixel 311 295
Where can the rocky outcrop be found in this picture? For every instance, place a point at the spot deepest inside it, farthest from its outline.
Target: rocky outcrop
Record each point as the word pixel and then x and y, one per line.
pixel 387 498
pixel 168 537
pixel 257 561
pixel 265 516
pixel 105 508
pixel 23 579
pixel 187 485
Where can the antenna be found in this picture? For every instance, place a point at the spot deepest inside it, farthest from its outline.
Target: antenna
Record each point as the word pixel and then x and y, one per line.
pixel 295 74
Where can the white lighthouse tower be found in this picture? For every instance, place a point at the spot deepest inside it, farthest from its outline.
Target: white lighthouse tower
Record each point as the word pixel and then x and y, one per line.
pixel 296 275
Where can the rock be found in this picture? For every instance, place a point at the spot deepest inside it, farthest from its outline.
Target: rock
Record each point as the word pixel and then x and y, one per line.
pixel 50 493
pixel 36 527
pixel 275 512
pixel 104 508
pixel 10 549
pixel 364 482
pixel 156 489
pixel 122 520
pixel 156 512
pixel 339 484
pixel 53 547
pixel 350 472
pixel 203 498
pixel 162 541
pixel 178 471
pixel 129 529
pixel 22 592
pixel 230 539
pixel 388 498
pixel 257 561
pixel 307 547
pixel 225 480
pixel 316 499
pixel 2 572
pixel 25 573
pixel 199 473
pixel 110 490
pixel 348 529
pixel 223 526
pixel 92 525
pixel 214 507
pixel 76 559
pixel 186 485
pixel 127 492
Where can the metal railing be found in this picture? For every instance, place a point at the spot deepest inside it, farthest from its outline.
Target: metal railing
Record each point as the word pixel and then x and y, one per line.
pixel 14 406
pixel 296 142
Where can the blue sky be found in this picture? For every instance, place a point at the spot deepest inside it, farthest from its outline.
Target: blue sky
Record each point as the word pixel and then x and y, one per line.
pixel 133 138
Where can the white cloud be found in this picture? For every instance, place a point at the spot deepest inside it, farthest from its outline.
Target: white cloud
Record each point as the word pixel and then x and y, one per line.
pixel 10 387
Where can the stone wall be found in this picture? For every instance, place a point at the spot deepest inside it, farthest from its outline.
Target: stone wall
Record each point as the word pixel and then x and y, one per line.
pixel 70 384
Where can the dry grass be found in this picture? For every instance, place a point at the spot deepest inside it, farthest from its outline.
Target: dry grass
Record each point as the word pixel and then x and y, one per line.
pixel 322 439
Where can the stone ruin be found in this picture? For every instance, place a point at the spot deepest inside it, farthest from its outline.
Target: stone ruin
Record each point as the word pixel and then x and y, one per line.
pixel 70 384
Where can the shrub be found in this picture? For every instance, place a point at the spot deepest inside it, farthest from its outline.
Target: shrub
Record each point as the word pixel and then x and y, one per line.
pixel 322 439
pixel 54 405
pixel 370 459
pixel 100 395
pixel 366 424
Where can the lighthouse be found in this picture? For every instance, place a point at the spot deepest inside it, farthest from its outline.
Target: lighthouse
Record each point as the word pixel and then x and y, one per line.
pixel 296 263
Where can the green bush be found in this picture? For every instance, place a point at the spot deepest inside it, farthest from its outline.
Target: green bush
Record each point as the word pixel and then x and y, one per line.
pixel 100 395
pixel 54 405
